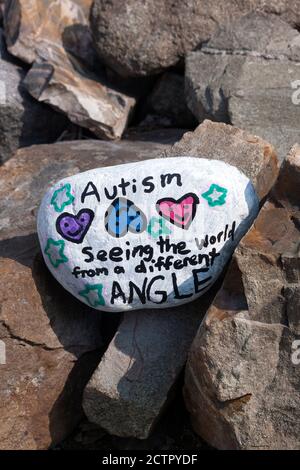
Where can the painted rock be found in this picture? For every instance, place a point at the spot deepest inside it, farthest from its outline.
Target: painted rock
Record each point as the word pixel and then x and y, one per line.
pixel 149 234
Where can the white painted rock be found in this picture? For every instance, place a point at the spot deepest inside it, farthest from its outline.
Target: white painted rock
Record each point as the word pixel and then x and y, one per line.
pixel 149 234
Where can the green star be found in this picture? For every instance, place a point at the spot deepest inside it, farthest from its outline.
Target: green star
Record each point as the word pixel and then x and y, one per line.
pixel 215 196
pixel 62 197
pixel 55 252
pixel 160 223
pixel 93 294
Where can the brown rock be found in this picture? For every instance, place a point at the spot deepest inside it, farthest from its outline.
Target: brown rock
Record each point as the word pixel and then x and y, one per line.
pixel 135 379
pixel 51 350
pixel 228 143
pixel 241 384
pixel 30 27
pixel 52 341
pixel 55 38
pixel 145 37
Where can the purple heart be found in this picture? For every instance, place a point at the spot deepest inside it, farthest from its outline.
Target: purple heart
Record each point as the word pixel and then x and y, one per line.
pixel 74 227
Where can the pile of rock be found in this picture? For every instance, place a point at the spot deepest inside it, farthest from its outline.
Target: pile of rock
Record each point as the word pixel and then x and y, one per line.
pixel 53 342
pixel 242 376
pixel 23 121
pixel 146 70
pixel 132 384
pixel 55 39
pixel 145 37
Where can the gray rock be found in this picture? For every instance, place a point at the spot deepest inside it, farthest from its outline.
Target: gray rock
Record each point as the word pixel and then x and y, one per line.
pixel 23 121
pixel 245 74
pixel 145 37
pixel 242 375
pixel 134 381
pixel 261 102
pixel 52 342
pixel 206 87
pixel 55 38
pixel 257 34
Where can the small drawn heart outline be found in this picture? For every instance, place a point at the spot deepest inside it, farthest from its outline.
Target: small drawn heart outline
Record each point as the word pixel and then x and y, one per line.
pixel 125 206
pixel 83 221
pixel 164 207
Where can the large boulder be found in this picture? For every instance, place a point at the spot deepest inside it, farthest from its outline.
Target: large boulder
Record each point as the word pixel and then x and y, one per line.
pixel 136 377
pixel 145 37
pixel 245 75
pixel 52 341
pixel 242 374
pixel 55 38
pixel 23 121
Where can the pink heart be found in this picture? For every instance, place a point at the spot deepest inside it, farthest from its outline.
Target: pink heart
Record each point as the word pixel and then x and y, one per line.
pixel 180 212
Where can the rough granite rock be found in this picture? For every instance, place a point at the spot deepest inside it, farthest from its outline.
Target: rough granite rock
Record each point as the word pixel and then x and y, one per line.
pixel 145 37
pixel 129 400
pixel 55 38
pixel 245 72
pixel 23 121
pixel 53 343
pixel 255 157
pixel 260 89
pixel 242 383
pixel 257 33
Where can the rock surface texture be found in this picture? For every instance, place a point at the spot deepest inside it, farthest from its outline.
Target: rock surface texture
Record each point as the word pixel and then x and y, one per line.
pixel 242 375
pixel 23 121
pixel 52 342
pixel 227 143
pixel 245 74
pixel 129 400
pixel 145 37
pixel 55 38
pixel 107 245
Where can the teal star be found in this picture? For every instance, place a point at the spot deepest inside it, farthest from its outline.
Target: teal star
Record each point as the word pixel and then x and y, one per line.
pixel 215 196
pixel 93 294
pixel 55 252
pixel 160 223
pixel 62 197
